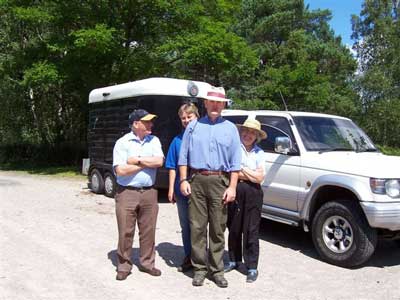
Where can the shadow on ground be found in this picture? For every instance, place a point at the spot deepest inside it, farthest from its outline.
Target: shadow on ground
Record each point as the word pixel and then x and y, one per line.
pixel 386 254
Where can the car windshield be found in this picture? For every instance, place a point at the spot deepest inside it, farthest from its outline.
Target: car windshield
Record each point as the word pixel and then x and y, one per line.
pixel 332 134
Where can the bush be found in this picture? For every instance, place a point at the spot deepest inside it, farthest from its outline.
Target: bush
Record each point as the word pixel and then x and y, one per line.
pixel 389 150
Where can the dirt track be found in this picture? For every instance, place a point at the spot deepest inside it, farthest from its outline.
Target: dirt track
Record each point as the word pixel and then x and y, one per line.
pixel 58 241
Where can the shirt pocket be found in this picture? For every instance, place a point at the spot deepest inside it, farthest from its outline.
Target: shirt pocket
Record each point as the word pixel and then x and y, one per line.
pixel 224 141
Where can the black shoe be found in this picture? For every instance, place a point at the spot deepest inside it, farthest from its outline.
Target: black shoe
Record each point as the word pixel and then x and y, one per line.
pixel 252 276
pixel 230 266
pixel 220 281
pixel 186 265
pixel 198 279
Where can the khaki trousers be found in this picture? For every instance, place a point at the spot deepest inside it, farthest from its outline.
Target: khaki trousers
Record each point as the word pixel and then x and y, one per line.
pixel 133 206
pixel 206 208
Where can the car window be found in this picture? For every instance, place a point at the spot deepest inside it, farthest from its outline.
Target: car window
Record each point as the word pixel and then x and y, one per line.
pixel 275 127
pixel 236 119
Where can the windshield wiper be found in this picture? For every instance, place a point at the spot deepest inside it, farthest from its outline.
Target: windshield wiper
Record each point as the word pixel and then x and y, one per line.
pixel 368 150
pixel 334 149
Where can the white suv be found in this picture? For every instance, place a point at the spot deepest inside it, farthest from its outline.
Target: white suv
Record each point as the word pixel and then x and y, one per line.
pixel 323 173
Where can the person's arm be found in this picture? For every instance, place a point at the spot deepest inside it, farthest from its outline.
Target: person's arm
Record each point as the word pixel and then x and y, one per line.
pixel 230 192
pixel 171 183
pixel 184 184
pixel 146 161
pixel 171 164
pixel 120 165
pixel 125 170
pixel 256 176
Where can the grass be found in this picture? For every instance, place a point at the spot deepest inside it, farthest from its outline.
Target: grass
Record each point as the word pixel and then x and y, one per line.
pixel 64 171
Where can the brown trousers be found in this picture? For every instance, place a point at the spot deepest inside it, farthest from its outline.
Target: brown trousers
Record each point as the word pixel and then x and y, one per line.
pixel 133 206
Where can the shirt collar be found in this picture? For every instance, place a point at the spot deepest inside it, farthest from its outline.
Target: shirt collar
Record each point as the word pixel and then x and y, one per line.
pixel 254 149
pixel 218 120
pixel 134 137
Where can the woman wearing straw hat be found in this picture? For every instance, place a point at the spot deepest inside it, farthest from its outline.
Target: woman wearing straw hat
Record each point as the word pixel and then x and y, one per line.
pixel 244 215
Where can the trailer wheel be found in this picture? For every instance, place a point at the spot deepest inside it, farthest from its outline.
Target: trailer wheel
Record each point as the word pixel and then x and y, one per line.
pixel 109 185
pixel 96 182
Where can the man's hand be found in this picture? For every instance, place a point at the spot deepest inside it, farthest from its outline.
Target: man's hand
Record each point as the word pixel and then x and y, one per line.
pixel 133 160
pixel 229 195
pixel 186 190
pixel 171 197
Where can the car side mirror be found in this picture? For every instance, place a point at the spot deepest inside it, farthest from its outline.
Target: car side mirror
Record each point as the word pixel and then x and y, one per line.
pixel 283 144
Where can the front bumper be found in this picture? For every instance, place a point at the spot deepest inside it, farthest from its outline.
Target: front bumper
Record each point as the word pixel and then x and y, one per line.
pixel 382 215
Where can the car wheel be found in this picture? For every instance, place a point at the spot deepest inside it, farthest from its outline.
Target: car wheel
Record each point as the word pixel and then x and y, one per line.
pixel 342 235
pixel 109 185
pixel 96 182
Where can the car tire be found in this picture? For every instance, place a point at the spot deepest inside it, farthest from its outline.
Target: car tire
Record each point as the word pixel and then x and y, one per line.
pixel 109 185
pixel 96 182
pixel 342 235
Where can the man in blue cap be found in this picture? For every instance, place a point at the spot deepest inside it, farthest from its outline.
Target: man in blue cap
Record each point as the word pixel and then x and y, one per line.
pixel 136 157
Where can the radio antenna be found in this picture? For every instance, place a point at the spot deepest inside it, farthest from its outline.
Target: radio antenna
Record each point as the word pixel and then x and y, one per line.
pixel 283 100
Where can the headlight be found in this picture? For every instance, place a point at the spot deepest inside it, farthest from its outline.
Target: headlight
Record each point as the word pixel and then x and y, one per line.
pixel 390 187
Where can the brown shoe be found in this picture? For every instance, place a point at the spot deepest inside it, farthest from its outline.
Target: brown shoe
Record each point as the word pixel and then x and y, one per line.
pixel 122 275
pixel 186 265
pixel 152 272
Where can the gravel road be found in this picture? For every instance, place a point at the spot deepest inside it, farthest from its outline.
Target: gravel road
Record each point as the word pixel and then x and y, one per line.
pixel 58 241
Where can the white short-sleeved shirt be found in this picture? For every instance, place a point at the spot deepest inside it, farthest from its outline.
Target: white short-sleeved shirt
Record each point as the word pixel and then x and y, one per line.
pixel 254 158
pixel 130 145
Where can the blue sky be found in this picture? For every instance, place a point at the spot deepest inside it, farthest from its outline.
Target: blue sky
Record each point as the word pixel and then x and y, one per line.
pixel 341 15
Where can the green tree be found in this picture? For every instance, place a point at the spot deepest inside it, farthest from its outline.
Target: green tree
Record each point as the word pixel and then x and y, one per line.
pixel 377 35
pixel 52 53
pixel 300 59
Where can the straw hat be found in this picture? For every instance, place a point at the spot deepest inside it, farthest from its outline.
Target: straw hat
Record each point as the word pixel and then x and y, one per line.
pixel 256 125
pixel 216 94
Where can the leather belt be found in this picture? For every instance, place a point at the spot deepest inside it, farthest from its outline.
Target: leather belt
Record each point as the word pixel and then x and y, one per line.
pixel 209 172
pixel 139 189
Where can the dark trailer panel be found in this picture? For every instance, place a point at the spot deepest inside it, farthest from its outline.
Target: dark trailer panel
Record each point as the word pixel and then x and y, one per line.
pixel 109 109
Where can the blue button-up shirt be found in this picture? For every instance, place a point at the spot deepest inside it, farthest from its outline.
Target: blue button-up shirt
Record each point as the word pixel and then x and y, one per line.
pixel 130 145
pixel 211 146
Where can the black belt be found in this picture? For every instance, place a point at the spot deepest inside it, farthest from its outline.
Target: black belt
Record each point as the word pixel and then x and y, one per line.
pixel 134 188
pixel 256 185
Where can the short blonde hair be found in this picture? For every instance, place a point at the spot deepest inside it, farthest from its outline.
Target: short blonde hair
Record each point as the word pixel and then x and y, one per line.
pixel 189 108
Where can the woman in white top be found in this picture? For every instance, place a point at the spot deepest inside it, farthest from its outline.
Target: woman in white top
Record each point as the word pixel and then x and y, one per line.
pixel 244 215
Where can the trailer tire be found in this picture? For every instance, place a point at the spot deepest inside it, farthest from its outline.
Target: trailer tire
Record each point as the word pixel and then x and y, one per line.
pixel 109 185
pixel 96 182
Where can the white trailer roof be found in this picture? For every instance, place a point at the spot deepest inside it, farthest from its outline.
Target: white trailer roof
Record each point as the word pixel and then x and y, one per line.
pixel 150 86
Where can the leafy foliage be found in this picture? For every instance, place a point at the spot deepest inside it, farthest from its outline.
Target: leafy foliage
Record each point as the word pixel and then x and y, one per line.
pixel 300 58
pixel 377 34
pixel 53 53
